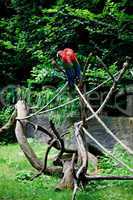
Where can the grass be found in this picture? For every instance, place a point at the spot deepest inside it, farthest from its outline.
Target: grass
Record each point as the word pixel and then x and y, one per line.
pixel 14 170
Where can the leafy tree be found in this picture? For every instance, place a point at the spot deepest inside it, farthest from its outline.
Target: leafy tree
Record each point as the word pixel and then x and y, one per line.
pixel 34 31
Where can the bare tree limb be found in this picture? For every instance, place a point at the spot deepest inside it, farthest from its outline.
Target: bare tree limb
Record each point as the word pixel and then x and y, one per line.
pixel 42 129
pixel 82 151
pixel 61 141
pixel 74 100
pixel 102 123
pixel 51 136
pixel 125 65
pixel 44 169
pixel 22 140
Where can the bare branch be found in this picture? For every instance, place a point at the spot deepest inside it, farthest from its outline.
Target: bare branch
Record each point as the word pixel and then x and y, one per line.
pixel 40 128
pixel 82 151
pixel 26 148
pixel 125 65
pixel 102 123
pixel 51 136
pixel 74 100
pixel 75 189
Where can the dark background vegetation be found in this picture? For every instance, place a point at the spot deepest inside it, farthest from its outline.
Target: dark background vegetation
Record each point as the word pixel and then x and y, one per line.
pixel 32 31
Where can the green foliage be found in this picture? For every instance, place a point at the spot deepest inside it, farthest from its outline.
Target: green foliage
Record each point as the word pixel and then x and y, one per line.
pixel 109 166
pixel 43 73
pixel 100 74
pixel 85 4
pixel 24 175
pixel 4 115
pixel 38 100
pixel 32 36
pixel 9 136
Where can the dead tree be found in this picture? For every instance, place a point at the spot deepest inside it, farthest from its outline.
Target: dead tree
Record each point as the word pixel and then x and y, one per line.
pixel 71 164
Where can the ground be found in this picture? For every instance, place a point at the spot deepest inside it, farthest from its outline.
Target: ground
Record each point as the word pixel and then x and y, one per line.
pixel 14 170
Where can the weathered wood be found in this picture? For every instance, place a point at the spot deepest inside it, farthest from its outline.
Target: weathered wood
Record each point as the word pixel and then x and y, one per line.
pixel 22 112
pixel 83 154
pixel 67 181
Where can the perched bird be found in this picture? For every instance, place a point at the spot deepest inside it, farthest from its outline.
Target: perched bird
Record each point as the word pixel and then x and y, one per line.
pixel 70 64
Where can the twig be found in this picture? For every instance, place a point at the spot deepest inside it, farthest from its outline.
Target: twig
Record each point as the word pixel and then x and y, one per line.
pixel 64 134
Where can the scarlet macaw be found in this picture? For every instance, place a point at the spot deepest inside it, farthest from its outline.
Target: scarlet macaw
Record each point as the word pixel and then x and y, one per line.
pixel 70 64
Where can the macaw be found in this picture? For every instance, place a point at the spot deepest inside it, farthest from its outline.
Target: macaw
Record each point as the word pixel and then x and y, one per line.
pixel 70 64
